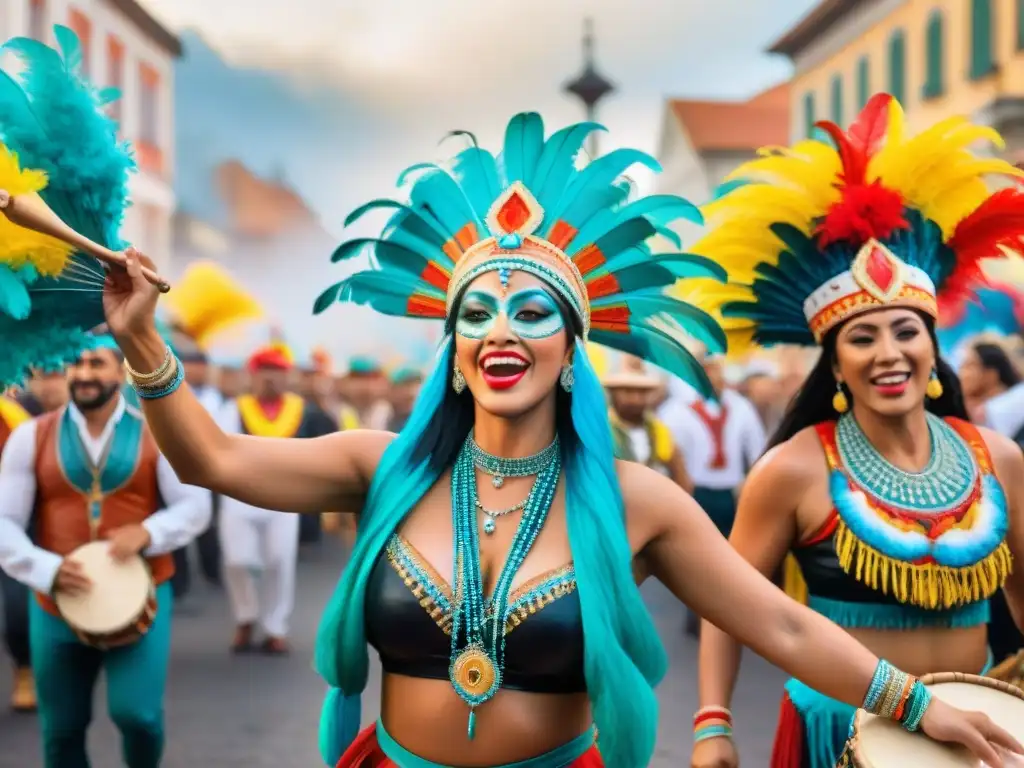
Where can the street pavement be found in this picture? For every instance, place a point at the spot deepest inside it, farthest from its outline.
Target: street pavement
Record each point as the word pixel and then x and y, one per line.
pixel 258 712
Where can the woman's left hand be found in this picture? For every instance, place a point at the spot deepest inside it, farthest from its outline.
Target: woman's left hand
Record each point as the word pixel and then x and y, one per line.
pixel 974 730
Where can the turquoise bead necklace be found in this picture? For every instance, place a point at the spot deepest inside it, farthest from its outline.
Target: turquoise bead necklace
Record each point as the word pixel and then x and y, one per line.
pixel 945 483
pixel 499 468
pixel 478 624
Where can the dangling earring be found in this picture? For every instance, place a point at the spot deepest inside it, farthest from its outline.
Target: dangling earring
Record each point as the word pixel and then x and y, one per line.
pixel 566 377
pixel 839 400
pixel 934 389
pixel 458 380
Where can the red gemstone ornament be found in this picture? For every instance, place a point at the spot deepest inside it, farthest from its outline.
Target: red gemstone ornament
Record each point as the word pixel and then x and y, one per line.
pixel 514 213
pixel 877 270
pixel 880 269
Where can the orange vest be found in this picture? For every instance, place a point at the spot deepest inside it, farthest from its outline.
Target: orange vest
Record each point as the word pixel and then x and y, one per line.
pixel 62 510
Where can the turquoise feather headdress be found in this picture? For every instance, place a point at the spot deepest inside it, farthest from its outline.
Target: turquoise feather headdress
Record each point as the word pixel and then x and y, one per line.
pixel 531 209
pixel 53 120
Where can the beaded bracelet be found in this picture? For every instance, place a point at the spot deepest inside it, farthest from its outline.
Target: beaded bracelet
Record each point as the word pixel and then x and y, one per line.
pixel 712 723
pixel 897 696
pixel 168 385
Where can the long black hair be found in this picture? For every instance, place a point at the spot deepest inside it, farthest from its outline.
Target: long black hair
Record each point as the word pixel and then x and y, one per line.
pixel 453 421
pixel 812 404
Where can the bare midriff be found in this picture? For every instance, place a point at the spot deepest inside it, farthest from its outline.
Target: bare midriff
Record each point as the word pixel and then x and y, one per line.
pixel 923 650
pixel 429 719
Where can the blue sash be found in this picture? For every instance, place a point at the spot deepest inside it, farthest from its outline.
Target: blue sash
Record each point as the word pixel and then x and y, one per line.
pixel 116 466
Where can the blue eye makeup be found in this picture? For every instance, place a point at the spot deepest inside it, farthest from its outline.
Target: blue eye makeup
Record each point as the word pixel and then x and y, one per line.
pixel 532 314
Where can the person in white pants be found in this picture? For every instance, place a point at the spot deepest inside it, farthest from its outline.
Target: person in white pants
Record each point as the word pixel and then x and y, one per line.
pixel 260 546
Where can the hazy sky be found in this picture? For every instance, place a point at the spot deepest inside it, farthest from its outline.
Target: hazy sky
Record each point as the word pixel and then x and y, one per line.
pixel 405 72
pixel 418 69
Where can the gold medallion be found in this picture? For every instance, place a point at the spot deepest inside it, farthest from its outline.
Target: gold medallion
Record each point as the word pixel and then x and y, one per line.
pixel 473 673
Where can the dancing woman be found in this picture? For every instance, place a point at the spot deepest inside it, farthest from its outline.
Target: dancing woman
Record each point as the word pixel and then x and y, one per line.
pixel 903 516
pixel 500 544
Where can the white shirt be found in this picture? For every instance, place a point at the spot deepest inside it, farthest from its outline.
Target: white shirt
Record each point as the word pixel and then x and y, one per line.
pixel 1004 413
pixel 186 515
pixel 210 398
pixel 743 438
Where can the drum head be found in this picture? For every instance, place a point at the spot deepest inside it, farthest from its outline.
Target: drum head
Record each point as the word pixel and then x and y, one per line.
pixel 883 743
pixel 118 595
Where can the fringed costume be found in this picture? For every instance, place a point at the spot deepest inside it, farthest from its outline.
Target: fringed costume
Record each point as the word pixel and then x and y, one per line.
pixel 529 210
pixel 812 236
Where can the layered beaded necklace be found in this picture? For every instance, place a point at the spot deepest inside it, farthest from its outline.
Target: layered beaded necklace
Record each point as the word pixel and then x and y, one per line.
pixel 945 483
pixel 499 468
pixel 478 623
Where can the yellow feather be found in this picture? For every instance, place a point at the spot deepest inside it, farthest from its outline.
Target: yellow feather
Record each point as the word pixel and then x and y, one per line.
pixel 20 246
pixel 207 301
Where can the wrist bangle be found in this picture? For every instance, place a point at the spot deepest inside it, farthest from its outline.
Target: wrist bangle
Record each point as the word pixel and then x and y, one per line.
pixel 168 386
pixel 706 732
pixel 161 370
pixel 895 695
pixel 708 715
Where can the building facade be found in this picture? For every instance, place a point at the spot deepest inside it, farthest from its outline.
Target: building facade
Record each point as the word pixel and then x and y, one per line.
pixel 702 142
pixel 938 57
pixel 126 48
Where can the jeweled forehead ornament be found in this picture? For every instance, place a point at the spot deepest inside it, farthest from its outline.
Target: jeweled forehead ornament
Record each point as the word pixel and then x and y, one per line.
pixel 877 278
pixel 513 218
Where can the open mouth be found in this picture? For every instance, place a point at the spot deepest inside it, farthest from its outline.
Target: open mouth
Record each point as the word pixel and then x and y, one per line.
pixel 891 384
pixel 503 370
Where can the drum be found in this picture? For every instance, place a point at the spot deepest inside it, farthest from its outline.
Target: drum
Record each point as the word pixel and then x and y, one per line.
pixel 120 607
pixel 877 742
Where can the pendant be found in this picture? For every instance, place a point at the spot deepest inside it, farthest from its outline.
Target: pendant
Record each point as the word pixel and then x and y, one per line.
pixel 489 526
pixel 474 675
pixel 497 481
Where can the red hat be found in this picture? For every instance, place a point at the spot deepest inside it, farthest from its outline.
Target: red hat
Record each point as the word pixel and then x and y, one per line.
pixel 275 356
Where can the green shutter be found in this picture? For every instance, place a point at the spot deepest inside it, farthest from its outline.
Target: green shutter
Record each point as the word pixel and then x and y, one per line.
pixel 933 85
pixel 809 118
pixel 898 66
pixel 1020 24
pixel 837 99
pixel 982 60
pixel 864 81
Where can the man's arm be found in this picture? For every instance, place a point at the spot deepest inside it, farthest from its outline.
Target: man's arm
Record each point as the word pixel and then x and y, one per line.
pixel 19 557
pixel 186 515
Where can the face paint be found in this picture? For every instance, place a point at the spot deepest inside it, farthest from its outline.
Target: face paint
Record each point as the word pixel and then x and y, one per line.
pixel 532 314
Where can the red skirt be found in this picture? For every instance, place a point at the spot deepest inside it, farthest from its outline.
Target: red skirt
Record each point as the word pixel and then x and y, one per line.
pixel 789 750
pixel 365 752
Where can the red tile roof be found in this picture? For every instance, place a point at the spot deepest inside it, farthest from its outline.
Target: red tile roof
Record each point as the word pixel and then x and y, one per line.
pixel 736 125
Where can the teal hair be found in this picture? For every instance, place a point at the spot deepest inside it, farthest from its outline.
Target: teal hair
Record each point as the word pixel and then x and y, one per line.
pixel 623 658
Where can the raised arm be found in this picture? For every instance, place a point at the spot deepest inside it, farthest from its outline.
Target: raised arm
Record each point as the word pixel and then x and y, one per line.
pixel 688 554
pixel 330 472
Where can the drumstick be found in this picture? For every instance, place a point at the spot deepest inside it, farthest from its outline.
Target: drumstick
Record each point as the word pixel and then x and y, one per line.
pixel 31 212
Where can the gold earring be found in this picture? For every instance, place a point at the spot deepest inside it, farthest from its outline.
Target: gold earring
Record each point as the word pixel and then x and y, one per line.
pixel 458 380
pixel 839 400
pixel 934 389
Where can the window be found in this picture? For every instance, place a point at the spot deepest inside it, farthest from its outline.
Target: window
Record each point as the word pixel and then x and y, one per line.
pixel 982 60
pixel 898 66
pixel 1020 24
pixel 82 28
pixel 933 58
pixel 115 73
pixel 864 81
pixel 37 20
pixel 837 99
pixel 809 118
pixel 148 144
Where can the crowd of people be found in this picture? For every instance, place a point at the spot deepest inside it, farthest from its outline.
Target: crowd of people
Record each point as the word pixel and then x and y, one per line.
pixel 510 498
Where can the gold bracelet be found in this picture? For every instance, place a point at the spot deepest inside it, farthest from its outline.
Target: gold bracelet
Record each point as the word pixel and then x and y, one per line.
pixel 161 370
pixel 164 380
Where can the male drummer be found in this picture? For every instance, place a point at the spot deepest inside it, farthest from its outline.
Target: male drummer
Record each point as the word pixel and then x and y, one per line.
pixel 91 470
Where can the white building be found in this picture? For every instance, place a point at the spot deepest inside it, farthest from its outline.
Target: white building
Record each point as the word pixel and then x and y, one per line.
pixel 125 48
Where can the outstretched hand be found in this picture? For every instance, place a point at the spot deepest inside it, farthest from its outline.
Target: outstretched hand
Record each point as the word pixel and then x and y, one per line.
pixel 974 730
pixel 129 300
